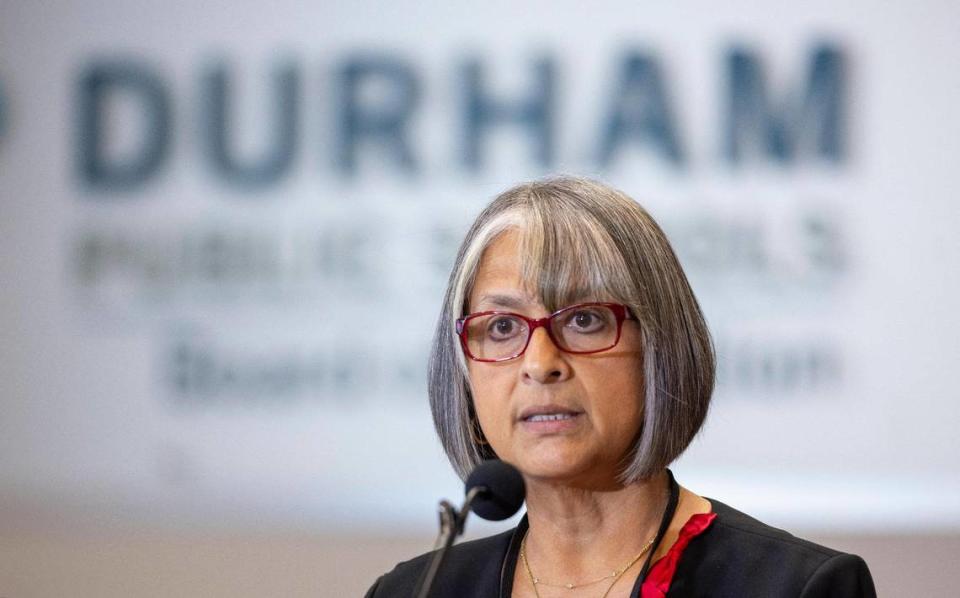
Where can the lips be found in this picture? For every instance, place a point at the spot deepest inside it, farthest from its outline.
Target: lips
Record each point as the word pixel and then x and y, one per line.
pixel 549 417
pixel 548 413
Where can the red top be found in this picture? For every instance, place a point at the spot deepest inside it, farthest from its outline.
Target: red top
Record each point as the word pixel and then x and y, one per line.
pixel 657 583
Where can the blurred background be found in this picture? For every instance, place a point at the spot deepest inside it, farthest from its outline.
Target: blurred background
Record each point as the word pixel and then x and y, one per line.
pixel 226 228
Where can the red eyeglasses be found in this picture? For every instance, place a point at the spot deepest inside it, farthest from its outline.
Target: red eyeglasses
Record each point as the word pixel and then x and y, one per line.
pixel 581 329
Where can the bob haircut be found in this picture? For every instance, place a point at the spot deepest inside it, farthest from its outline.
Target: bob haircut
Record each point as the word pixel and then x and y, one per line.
pixel 580 238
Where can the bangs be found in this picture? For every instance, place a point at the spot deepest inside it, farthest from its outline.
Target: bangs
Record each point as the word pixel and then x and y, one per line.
pixel 569 252
pixel 568 256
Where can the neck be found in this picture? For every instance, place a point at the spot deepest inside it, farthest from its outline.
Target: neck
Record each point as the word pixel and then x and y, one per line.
pixel 576 533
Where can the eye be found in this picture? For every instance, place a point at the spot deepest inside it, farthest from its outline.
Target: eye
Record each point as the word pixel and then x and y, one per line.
pixel 503 328
pixel 587 320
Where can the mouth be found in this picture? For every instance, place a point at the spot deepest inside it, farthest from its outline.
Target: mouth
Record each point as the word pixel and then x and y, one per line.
pixel 550 419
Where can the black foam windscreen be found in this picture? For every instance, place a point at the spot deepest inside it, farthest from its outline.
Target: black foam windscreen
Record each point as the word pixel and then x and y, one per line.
pixel 502 490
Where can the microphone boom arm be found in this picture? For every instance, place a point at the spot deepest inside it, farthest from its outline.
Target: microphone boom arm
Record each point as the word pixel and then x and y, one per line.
pixel 452 524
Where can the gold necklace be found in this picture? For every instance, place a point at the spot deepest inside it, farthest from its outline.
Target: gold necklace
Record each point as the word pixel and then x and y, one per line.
pixel 615 575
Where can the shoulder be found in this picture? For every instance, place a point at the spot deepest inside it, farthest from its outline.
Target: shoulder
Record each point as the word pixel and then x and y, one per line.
pixel 741 556
pixel 469 569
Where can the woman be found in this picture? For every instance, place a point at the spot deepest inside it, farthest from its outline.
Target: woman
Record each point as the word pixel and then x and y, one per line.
pixel 571 346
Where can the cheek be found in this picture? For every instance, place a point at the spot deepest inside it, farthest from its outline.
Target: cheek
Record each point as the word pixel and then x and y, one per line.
pixel 490 392
pixel 620 399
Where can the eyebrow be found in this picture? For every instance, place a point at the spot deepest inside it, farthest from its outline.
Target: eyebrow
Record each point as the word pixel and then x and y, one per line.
pixel 517 302
pixel 500 300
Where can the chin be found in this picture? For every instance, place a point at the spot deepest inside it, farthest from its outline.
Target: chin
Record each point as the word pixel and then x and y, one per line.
pixel 575 470
pixel 554 468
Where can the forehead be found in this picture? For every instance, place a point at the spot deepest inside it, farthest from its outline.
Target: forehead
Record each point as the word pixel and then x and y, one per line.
pixel 498 281
pixel 505 280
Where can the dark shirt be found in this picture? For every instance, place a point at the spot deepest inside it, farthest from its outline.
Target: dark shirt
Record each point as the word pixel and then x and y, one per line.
pixel 736 557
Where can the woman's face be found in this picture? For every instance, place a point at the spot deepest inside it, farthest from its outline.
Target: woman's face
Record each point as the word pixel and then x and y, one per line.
pixel 598 396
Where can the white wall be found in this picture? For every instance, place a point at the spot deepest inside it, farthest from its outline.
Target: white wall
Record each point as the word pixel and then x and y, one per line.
pixel 190 349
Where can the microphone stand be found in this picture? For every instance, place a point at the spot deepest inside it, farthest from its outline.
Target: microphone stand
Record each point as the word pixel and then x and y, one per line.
pixel 451 525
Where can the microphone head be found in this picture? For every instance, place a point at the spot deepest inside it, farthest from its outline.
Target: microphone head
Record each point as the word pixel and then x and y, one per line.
pixel 502 490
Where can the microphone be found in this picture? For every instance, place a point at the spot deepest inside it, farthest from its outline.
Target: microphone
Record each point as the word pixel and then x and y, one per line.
pixel 500 490
pixel 494 491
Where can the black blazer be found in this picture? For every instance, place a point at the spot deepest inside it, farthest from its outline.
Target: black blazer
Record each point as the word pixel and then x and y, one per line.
pixel 736 557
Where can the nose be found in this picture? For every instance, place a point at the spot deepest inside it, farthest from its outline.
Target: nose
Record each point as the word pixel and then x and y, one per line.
pixel 543 361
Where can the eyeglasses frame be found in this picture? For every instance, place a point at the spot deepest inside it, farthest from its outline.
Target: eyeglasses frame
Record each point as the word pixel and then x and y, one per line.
pixel 620 312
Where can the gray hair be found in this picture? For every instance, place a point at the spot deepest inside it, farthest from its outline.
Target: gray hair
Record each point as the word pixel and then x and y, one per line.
pixel 583 238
